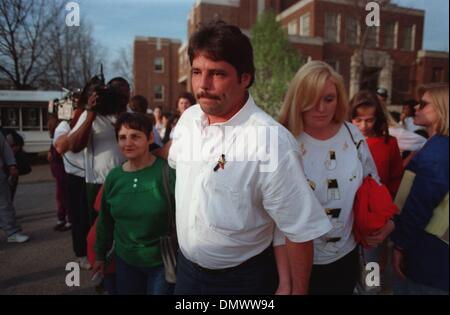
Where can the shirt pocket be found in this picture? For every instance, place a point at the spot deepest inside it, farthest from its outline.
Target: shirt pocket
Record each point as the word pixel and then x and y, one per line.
pixel 227 211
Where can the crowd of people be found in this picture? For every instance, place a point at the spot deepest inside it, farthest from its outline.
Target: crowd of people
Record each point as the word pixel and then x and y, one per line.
pixel 242 229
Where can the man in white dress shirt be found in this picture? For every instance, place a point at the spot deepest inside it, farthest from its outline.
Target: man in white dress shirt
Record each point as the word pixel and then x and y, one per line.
pixel 241 194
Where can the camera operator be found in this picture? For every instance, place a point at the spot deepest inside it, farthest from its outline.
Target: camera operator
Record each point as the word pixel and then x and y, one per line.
pixel 95 134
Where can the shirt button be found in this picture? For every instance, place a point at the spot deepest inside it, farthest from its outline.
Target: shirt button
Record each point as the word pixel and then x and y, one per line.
pixel 135 180
pixel 134 185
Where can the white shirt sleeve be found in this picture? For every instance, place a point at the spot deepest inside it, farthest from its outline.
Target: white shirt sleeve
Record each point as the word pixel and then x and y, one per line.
pixel 407 140
pixel 278 237
pixel 62 129
pixel 290 202
pixel 80 121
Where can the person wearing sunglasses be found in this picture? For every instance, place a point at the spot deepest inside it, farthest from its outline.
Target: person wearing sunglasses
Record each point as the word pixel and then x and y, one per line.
pixel 420 256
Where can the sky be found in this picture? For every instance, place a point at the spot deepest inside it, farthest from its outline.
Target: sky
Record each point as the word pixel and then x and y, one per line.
pixel 117 22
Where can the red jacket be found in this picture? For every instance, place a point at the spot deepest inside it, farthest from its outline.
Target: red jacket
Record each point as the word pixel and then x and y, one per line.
pixel 372 208
pixel 388 160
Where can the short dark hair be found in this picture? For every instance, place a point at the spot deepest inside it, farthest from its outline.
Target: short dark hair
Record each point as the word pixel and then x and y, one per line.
pixel 188 96
pixel 366 98
pixel 223 42
pixel 136 121
pixel 141 103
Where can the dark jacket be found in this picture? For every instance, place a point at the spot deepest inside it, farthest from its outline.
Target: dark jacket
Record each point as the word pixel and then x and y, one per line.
pixel 425 255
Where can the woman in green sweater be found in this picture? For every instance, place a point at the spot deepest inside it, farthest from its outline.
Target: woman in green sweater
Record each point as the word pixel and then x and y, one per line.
pixel 134 212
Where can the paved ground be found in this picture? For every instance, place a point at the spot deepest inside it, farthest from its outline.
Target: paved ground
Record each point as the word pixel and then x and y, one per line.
pixel 38 266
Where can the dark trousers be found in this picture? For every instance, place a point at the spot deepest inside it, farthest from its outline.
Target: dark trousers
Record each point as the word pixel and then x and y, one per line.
pixel 257 276
pixel 134 280
pixel 337 278
pixel 91 193
pixel 79 210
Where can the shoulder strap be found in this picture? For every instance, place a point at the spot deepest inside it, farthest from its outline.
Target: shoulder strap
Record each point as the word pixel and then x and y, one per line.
pixel 353 139
pixel 165 177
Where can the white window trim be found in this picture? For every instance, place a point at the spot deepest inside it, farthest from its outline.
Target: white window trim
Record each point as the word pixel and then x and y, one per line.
pixel 413 37
pixel 162 64
pixel 338 29
pixel 396 35
pixel 292 28
pixel 302 30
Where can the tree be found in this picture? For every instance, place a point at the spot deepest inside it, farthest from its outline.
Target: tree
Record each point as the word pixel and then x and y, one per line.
pixel 38 49
pixel 123 64
pixel 276 62
pixel 24 26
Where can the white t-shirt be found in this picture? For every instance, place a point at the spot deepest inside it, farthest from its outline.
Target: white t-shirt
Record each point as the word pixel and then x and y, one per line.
pixel 102 153
pixel 73 162
pixel 227 215
pixel 407 140
pixel 410 126
pixel 335 173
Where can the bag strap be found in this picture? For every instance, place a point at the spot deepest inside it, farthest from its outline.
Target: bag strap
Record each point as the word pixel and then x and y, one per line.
pixel 165 177
pixel 357 145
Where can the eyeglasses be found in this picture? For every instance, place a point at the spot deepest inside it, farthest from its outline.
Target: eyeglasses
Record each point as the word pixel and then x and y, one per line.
pixel 422 104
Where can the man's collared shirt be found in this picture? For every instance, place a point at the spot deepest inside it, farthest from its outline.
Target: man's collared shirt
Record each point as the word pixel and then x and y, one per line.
pixel 236 181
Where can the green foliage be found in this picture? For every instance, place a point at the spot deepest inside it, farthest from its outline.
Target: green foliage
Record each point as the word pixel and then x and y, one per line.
pixel 276 62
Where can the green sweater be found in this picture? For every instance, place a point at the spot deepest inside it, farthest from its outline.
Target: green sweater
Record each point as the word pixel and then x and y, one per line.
pixel 134 214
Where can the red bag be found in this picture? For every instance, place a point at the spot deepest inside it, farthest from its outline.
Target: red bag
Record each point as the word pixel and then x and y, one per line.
pixel 372 208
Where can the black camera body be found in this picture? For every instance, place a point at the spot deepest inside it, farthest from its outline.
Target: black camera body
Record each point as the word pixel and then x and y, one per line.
pixel 108 99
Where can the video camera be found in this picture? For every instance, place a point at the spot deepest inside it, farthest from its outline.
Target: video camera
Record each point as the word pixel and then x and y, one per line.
pixel 63 108
pixel 108 99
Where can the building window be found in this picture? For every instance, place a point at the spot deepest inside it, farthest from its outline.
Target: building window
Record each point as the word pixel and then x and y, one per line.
pixel 408 37
pixel 10 118
pixel 159 64
pixel 304 25
pixel 30 119
pixel 292 28
pixel 352 30
pixel 158 93
pixel 331 27
pixel 390 35
pixel 437 75
pixel 372 36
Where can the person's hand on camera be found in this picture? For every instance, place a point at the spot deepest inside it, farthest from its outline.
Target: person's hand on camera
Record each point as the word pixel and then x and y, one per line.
pixel 92 101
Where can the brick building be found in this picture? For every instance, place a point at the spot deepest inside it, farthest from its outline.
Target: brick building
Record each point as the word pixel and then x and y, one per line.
pixel 391 55
pixel 155 70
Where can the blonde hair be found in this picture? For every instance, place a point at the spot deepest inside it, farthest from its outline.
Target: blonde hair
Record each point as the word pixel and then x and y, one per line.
pixel 304 93
pixel 439 95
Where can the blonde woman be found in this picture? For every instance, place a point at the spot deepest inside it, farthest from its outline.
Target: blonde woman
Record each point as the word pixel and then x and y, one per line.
pixel 315 111
pixel 421 236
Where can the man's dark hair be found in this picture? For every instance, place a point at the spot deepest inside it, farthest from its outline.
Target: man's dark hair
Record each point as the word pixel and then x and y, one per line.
pixel 136 121
pixel 141 103
pixel 188 96
pixel 220 41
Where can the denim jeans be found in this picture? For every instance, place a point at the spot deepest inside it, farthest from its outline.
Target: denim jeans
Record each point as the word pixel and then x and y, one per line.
pixel 8 221
pixel 258 276
pixel 140 280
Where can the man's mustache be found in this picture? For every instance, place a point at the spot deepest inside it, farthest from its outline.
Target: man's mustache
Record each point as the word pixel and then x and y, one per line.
pixel 207 95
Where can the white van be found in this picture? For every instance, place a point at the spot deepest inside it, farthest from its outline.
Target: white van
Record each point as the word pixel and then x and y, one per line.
pixel 27 112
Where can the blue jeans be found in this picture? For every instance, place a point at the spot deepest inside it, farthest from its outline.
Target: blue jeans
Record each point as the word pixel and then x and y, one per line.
pixel 257 276
pixel 140 280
